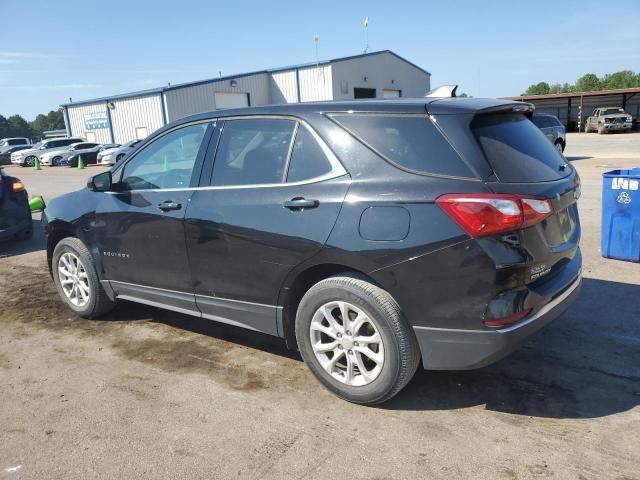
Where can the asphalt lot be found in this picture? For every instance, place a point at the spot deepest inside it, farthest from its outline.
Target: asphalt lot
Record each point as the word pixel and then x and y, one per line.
pixel 146 393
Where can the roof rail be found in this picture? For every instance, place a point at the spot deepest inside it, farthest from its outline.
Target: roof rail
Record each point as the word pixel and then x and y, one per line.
pixel 443 91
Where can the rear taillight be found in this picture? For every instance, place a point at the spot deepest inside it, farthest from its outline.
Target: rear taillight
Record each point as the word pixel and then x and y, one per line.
pixel 482 214
pixel 18 186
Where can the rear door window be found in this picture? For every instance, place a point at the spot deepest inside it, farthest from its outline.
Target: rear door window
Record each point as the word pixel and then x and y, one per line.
pixel 252 151
pixel 411 142
pixel 517 150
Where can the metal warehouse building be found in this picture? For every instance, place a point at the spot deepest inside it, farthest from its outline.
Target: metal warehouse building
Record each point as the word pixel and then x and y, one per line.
pixel 120 118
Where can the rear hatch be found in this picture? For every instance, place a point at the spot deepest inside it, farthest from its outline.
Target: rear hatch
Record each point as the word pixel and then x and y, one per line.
pixel 525 163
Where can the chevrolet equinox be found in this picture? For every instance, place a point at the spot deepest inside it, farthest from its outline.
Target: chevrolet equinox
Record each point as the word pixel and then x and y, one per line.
pixel 371 235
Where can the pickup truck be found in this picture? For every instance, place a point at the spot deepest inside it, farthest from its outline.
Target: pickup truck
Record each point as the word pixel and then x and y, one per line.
pixel 607 119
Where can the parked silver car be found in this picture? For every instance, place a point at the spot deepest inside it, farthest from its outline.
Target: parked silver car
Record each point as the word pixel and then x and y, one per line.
pixel 552 128
pixel 7 144
pixel 28 157
pixel 112 155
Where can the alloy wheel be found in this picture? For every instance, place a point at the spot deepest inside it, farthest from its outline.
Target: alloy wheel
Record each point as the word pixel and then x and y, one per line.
pixel 347 344
pixel 74 279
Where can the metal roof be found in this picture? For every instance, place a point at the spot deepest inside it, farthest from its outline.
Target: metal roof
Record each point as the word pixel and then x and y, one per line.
pixel 159 90
pixel 596 93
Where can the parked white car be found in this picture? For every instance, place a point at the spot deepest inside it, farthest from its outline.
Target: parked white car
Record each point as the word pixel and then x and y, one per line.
pixel 28 157
pixel 112 155
pixel 56 158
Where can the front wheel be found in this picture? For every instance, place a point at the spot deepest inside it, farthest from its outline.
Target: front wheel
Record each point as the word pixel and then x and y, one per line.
pixel 354 339
pixel 77 281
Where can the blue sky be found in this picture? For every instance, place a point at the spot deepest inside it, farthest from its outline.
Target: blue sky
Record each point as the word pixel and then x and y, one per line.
pixel 53 50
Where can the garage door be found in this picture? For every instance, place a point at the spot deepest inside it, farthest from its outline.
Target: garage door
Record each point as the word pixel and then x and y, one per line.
pixel 231 100
pixel 388 93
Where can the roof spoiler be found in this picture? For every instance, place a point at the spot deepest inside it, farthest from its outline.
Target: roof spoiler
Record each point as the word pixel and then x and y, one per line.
pixel 443 91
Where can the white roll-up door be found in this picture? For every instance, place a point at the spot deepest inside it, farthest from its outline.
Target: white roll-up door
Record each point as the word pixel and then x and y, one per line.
pixel 231 100
pixel 389 93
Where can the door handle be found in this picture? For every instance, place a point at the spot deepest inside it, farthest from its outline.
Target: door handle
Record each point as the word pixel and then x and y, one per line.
pixel 300 203
pixel 169 205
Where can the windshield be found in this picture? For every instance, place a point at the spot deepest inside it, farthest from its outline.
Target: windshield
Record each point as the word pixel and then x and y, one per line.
pixel 609 111
pixel 37 145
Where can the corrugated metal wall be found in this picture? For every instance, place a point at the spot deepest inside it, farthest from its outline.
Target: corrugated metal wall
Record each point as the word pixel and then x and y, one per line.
pixel 76 118
pixel 381 71
pixel 283 87
pixel 316 83
pixel 135 112
pixel 181 102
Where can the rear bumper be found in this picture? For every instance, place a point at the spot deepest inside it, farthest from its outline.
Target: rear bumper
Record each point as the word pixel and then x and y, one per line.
pixel 451 349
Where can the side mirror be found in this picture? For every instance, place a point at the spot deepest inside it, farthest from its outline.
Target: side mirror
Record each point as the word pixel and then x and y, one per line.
pixel 100 183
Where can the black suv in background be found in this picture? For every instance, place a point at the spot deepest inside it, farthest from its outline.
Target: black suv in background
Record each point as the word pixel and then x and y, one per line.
pixel 370 235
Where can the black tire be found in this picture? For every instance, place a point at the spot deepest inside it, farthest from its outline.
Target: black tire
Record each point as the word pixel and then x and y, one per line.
pixel 30 161
pixel 99 303
pixel 401 351
pixel 55 162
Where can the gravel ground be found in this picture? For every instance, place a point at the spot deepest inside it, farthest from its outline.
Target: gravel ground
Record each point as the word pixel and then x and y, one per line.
pixel 145 393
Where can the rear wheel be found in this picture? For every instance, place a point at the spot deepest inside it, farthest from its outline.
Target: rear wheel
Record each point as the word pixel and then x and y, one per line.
pixel 77 281
pixel 354 339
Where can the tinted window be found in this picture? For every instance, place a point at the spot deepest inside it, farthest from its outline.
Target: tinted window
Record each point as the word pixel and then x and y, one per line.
pixel 517 150
pixel 555 121
pixel 542 121
pixel 17 141
pixel 167 162
pixel 308 160
pixel 252 152
pixel 412 142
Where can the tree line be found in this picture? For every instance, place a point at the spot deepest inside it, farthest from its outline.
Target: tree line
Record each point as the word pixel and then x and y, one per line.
pixel 16 126
pixel 588 83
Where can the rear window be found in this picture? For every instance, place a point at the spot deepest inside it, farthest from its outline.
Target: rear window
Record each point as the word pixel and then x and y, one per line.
pixel 517 150
pixel 411 142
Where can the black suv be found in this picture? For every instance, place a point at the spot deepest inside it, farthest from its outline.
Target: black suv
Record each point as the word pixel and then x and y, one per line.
pixel 371 235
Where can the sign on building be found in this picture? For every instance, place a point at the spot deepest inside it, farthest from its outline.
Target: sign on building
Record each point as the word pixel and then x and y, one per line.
pixel 94 121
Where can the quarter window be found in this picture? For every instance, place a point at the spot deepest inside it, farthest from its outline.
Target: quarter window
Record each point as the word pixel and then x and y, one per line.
pixel 410 142
pixel 252 151
pixel 308 160
pixel 166 162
